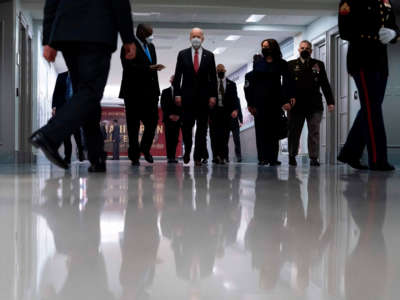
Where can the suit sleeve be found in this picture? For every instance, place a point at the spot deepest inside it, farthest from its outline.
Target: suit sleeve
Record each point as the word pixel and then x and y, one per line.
pixel 164 102
pixel 248 90
pixel 178 75
pixel 213 89
pixel 236 101
pixel 50 9
pixel 325 85
pixel 240 114
pixel 123 16
pixel 133 65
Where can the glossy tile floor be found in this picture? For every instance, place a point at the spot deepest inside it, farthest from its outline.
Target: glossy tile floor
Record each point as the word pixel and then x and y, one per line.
pixel 173 232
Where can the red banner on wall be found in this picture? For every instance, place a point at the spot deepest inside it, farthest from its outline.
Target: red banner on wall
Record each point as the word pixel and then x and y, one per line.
pixel 109 114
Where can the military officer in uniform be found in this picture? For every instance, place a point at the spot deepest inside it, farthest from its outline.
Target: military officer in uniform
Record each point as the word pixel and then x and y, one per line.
pixel 310 77
pixel 369 26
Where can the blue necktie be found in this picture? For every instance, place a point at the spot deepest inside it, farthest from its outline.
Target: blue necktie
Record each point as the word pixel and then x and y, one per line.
pixel 70 91
pixel 146 50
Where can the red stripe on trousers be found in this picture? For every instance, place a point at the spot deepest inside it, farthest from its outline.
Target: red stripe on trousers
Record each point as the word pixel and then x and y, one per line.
pixel 369 113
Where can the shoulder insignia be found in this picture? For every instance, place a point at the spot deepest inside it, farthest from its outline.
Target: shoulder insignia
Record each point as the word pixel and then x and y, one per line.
pixel 344 9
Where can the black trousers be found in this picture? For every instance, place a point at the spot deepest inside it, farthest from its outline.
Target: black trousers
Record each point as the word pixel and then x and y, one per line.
pixel 68 144
pixel 172 137
pixel 88 65
pixel 266 138
pixel 235 128
pixel 368 128
pixel 148 114
pixel 200 118
pixel 219 132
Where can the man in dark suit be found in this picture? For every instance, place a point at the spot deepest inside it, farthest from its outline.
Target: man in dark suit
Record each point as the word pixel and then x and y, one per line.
pixel 225 109
pixel 236 123
pixel 195 86
pixel 86 32
pixel 63 92
pixel 116 139
pixel 172 121
pixel 140 90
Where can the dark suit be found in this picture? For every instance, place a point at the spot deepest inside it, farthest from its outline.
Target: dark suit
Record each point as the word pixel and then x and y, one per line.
pixel 59 99
pixel 195 89
pixel 171 127
pixel 235 128
pixel 221 119
pixel 116 138
pixel 140 91
pixel 86 33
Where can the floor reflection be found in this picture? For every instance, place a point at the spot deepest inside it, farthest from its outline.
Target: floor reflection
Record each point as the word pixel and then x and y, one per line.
pixel 218 232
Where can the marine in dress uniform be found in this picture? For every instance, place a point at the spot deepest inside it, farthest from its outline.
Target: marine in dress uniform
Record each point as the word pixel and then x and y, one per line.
pixel 310 77
pixel 368 25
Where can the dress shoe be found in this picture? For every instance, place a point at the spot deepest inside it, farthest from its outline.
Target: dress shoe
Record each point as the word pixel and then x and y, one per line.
pixel 149 158
pixel 314 163
pixel 239 160
pixel 198 163
pixel 135 163
pixel 186 158
pixel 81 156
pixel 172 161
pixel 292 161
pixel 97 168
pixel 39 141
pixel 227 160
pixel 204 161
pixel 382 167
pixel 275 163
pixel 355 164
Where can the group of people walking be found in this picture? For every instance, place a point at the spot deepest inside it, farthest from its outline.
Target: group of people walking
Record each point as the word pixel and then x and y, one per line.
pixel 202 96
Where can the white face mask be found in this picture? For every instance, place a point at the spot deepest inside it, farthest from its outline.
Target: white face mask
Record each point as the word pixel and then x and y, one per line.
pixel 150 39
pixel 196 42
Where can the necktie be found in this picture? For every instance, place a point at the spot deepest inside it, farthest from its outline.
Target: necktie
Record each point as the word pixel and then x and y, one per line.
pixel 70 91
pixel 196 61
pixel 146 50
pixel 221 92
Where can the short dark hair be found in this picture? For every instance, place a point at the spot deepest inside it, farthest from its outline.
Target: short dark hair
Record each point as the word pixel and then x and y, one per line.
pixel 274 45
pixel 143 27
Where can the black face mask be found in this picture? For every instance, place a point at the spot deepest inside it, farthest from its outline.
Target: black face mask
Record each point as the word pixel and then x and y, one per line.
pixel 221 75
pixel 267 52
pixel 305 54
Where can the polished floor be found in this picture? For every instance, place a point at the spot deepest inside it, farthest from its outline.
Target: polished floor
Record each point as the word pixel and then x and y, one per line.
pixel 174 232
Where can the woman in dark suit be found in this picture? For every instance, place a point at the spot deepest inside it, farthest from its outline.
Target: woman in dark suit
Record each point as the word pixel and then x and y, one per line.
pixel 273 91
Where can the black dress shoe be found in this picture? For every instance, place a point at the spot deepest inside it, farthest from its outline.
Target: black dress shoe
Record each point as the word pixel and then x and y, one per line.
pixel 205 161
pixel 382 167
pixel 39 141
pixel 97 168
pixel 149 158
pixel 67 161
pixel 135 163
pixel 198 163
pixel 275 163
pixel 314 163
pixel 239 160
pixel 292 161
pixel 355 164
pixel 172 161
pixel 186 159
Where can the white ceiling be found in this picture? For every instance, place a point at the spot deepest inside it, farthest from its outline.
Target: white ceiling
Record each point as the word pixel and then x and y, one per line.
pixel 173 20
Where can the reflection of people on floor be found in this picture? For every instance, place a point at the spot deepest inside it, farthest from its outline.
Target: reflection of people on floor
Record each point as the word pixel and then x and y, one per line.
pixel 225 207
pixel 76 230
pixel 265 232
pixel 366 265
pixel 305 239
pixel 141 240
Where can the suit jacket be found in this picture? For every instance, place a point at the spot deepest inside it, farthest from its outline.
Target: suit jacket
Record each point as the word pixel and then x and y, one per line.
pixel 359 23
pixel 168 104
pixel 231 100
pixel 138 81
pixel 195 88
pixel 249 88
pixel 93 21
pixel 60 91
pixel 116 136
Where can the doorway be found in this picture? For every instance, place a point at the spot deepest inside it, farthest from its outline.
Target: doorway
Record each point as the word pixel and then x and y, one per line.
pixel 25 105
